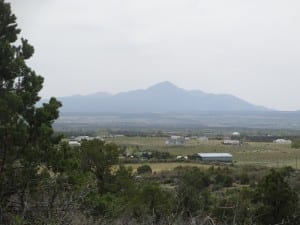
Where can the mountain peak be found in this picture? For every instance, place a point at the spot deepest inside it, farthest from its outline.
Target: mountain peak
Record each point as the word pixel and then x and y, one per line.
pixel 163 86
pixel 161 97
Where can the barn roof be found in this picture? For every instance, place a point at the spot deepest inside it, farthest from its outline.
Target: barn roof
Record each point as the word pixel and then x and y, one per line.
pixel 214 155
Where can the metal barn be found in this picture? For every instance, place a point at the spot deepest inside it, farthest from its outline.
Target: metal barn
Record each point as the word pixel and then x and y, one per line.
pixel 215 157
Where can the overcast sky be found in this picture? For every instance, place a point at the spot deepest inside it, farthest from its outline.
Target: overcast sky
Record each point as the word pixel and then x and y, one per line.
pixel 248 48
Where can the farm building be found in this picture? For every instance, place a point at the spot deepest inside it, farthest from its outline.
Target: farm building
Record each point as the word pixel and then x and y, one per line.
pixel 81 138
pixel 87 138
pixel 74 143
pixel 176 140
pixel 215 157
pixel 282 141
pixel 236 134
pixel 231 142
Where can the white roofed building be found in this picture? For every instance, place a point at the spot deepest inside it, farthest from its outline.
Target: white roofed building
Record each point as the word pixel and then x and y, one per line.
pixel 74 143
pixel 282 141
pixel 236 134
pixel 215 157
pixel 231 142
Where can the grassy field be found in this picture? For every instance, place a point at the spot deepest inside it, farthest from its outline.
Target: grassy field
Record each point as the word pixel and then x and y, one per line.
pixel 254 153
pixel 158 167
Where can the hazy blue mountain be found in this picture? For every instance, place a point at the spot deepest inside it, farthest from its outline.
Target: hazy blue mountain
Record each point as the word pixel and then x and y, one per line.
pixel 164 97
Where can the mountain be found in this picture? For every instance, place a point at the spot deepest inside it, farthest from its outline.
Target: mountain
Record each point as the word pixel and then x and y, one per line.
pixel 163 97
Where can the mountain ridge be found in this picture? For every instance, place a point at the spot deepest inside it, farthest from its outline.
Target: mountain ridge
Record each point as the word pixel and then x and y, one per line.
pixel 164 97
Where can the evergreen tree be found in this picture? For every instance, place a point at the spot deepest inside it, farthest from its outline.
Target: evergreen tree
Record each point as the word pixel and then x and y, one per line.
pixel 98 158
pixel 26 134
pixel 276 201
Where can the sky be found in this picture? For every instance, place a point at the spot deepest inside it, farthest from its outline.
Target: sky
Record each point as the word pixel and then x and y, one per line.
pixel 250 48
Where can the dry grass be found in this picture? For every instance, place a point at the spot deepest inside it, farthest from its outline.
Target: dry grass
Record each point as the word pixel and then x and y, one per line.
pixel 256 153
pixel 159 167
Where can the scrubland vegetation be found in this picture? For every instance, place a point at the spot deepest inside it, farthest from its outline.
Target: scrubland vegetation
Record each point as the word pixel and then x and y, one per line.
pixel 89 185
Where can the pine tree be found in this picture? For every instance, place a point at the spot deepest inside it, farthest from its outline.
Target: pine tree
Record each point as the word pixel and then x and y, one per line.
pixel 26 133
pixel 275 199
